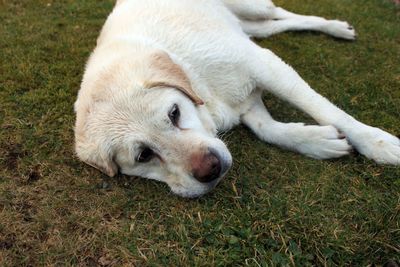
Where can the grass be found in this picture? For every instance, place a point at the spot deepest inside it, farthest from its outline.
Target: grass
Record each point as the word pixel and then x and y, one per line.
pixel 274 208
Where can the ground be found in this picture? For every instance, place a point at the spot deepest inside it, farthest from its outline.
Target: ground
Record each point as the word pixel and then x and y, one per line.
pixel 274 208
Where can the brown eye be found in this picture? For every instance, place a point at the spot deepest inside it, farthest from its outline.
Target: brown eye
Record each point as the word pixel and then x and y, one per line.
pixel 145 156
pixel 174 114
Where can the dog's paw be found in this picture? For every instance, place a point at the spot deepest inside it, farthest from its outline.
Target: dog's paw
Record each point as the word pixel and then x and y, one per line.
pixel 377 145
pixel 340 29
pixel 319 142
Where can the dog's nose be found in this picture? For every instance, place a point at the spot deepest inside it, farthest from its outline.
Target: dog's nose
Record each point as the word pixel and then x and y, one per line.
pixel 208 169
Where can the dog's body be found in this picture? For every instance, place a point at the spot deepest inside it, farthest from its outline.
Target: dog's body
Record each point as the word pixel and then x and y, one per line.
pixel 167 75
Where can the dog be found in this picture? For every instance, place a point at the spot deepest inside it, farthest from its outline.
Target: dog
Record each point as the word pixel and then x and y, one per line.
pixel 167 76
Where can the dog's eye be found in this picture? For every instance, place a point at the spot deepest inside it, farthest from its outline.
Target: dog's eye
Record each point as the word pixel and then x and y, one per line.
pixel 145 156
pixel 174 114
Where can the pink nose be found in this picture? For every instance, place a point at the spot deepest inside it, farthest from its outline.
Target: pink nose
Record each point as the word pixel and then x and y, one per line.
pixel 206 168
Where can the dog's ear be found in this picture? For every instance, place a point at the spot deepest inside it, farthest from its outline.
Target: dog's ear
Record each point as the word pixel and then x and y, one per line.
pixel 166 73
pixel 91 152
pixel 97 157
pixel 105 164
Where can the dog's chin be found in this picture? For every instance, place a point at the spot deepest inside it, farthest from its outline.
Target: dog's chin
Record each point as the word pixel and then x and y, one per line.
pixel 198 189
pixel 195 191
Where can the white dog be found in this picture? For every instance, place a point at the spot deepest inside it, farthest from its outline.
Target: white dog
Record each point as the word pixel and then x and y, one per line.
pixel 168 75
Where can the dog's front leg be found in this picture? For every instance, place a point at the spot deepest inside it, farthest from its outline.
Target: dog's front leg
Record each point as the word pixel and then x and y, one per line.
pixel 266 28
pixel 272 74
pixel 320 142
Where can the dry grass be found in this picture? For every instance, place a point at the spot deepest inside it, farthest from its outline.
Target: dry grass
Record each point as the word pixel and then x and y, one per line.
pixel 274 208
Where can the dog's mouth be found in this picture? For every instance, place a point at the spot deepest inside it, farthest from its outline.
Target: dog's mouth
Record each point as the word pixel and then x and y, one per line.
pixel 216 165
pixel 196 192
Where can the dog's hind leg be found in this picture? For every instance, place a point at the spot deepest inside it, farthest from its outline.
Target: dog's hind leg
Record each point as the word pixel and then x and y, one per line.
pixel 320 142
pixel 251 9
pixel 261 18
pixel 266 28
pixel 272 74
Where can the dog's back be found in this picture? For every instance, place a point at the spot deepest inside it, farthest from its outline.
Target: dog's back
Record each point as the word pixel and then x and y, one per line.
pixel 204 34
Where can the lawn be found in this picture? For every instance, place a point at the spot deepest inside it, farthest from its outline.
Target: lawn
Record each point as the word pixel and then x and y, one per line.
pixel 274 208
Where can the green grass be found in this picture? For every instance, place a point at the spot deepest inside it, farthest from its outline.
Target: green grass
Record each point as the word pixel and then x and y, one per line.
pixel 274 207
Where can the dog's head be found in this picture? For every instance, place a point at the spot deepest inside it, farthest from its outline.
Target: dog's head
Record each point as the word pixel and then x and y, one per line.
pixel 139 114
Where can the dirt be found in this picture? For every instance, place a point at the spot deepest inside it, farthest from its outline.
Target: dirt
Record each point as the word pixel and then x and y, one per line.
pixel 7 242
pixel 13 154
pixel 34 175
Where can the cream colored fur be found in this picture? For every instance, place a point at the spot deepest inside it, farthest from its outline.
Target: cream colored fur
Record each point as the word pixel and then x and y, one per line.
pixel 197 55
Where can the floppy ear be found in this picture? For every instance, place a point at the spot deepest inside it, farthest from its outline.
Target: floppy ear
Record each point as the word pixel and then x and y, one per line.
pixel 105 165
pixel 93 154
pixel 166 73
pixel 97 157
